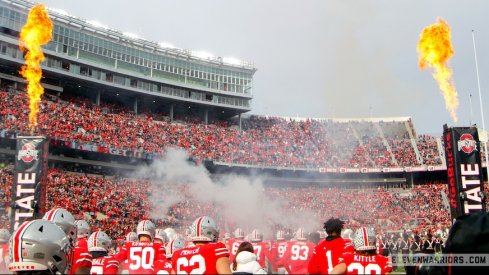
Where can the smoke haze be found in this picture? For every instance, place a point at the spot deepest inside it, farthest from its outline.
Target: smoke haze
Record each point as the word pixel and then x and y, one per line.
pixel 239 200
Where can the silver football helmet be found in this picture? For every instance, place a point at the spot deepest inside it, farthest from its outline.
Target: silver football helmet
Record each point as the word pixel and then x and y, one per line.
pixel 39 245
pixel 170 233
pixel 227 236
pixel 239 233
pixel 173 246
pixel 364 239
pixel 131 237
pixel 83 228
pixel 146 227
pixel 300 235
pixel 4 235
pixel 160 235
pixel 280 235
pixel 322 234
pixel 204 229
pixel 64 219
pixel 99 241
pixel 346 233
pixel 256 236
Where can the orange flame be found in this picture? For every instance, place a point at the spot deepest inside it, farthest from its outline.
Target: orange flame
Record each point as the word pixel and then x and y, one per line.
pixel 36 32
pixel 435 49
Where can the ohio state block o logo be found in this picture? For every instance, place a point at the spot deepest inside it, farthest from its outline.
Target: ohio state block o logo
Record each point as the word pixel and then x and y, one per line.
pixel 467 143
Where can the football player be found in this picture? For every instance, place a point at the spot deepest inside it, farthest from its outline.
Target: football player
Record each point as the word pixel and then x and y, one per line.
pixel 277 253
pixel 365 259
pixel 130 237
pixel 225 240
pixel 298 254
pixel 81 259
pixel 142 254
pixel 165 266
pixel 82 232
pixel 99 245
pixel 327 253
pixel 233 244
pixel 161 238
pixel 262 249
pixel 207 256
pixel 4 259
pixel 35 238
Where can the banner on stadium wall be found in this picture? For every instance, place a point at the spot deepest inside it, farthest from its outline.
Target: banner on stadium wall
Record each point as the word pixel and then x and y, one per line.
pixel 29 182
pixel 464 172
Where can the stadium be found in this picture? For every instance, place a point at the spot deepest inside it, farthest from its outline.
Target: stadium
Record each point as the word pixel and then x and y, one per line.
pixel 138 130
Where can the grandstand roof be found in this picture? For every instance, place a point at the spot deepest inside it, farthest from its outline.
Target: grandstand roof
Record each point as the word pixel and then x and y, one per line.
pixel 163 48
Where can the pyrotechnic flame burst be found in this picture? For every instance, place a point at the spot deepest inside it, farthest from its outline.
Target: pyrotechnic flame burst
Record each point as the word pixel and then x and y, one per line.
pixel 435 49
pixel 36 32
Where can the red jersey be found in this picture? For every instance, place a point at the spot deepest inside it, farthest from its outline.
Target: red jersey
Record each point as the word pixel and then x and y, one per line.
pixel 277 253
pixel 4 259
pixel 81 258
pixel 199 259
pixel 105 265
pixel 262 251
pixel 234 244
pixel 357 264
pixel 82 242
pixel 163 267
pixel 297 256
pixel 326 254
pixel 141 256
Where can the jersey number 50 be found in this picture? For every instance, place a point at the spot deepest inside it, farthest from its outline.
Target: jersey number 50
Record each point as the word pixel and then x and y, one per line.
pixel 145 260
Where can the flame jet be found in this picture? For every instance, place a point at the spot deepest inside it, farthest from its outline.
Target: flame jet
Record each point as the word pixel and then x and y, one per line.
pixel 435 49
pixel 36 32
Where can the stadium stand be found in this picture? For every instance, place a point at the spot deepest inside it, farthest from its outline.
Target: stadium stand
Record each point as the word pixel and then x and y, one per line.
pixel 116 204
pixel 264 141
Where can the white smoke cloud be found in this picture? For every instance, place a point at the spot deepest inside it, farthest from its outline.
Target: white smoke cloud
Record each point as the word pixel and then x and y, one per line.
pixel 239 200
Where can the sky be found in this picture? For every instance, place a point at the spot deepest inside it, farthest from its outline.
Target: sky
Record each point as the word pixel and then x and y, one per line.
pixel 320 58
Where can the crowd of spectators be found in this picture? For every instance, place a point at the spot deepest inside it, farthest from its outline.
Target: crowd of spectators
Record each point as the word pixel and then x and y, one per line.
pixel 115 204
pixel 263 141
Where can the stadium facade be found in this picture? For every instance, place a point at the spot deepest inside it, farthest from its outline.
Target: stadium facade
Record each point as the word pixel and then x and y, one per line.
pixel 100 63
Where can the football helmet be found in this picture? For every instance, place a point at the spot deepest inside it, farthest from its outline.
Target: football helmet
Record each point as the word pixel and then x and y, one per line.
pixel 300 235
pixel 82 228
pixel 173 246
pixel 39 245
pixel 227 236
pixel 131 237
pixel 280 235
pixel 146 227
pixel 4 235
pixel 64 219
pixel 170 233
pixel 99 241
pixel 364 239
pixel 256 236
pixel 238 233
pixel 204 229
pixel 346 233
pixel 160 234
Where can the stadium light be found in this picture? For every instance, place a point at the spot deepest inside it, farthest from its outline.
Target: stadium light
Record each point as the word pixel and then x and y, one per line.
pixel 59 11
pixel 98 24
pixel 166 45
pixel 232 61
pixel 203 55
pixel 131 35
